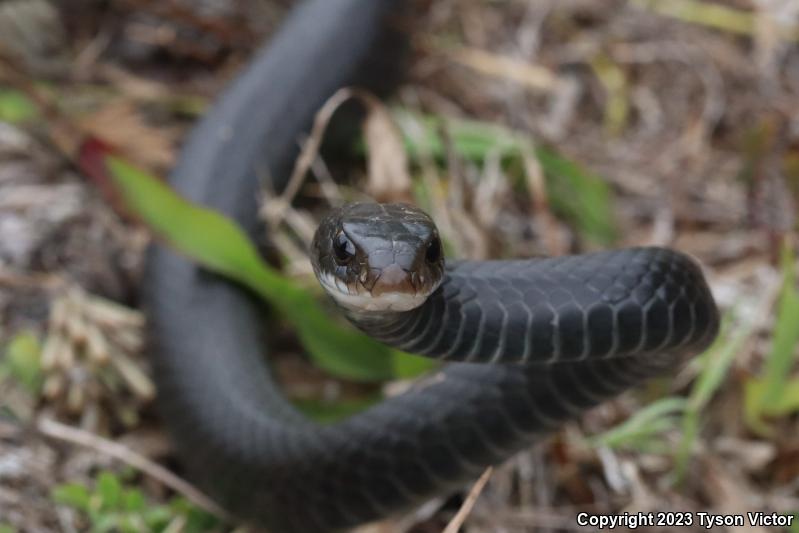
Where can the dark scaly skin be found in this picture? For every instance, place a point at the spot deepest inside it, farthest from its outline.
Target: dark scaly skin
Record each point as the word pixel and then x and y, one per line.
pixel 252 450
pixel 636 302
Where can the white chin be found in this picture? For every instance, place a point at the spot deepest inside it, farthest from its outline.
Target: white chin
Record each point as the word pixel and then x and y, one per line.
pixel 391 301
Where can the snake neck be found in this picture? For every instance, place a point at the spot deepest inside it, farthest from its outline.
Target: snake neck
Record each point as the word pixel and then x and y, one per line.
pixel 623 303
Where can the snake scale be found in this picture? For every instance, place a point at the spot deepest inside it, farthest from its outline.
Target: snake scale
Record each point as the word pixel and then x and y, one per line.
pixel 564 333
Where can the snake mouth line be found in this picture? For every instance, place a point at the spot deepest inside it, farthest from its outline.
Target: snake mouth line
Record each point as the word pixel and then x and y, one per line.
pixel 359 298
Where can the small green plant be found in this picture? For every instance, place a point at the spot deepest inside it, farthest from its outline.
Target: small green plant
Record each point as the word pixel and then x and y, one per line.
pixel 112 506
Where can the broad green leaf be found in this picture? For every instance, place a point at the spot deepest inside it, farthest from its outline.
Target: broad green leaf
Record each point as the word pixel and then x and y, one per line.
pixel 15 107
pixel 221 245
pixel 23 360
pixel 5 528
pixel 73 495
pixel 110 490
pixel 407 366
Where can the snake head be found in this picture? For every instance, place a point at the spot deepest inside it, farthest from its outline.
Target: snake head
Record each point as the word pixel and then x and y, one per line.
pixel 378 257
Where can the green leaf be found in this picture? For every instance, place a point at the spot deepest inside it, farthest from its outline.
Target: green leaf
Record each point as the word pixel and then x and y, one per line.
pixel 15 107
pixel 110 490
pixel 157 517
pixel 132 523
pixel 23 360
pixel 221 245
pixel 133 500
pixel 197 520
pixel 774 394
pixel 73 495
pixel 786 333
pixel 755 390
pixel 5 528
pixel 408 366
pixel 106 522
pixel 580 196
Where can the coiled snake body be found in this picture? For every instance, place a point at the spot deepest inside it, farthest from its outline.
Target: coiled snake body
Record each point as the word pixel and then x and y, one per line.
pixel 564 334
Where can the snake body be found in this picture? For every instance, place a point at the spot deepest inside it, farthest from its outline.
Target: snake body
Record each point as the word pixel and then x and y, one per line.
pixel 564 334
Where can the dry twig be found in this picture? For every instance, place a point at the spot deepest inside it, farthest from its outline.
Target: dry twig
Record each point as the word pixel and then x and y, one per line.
pixel 460 517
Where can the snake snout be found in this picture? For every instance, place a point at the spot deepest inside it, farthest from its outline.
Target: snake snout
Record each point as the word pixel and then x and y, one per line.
pixel 393 279
pixel 391 269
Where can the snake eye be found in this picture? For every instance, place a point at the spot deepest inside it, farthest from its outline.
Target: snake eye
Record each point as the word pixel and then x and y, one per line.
pixel 433 253
pixel 343 248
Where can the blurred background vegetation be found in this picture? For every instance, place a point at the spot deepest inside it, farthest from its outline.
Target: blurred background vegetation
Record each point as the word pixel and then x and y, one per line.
pixel 524 127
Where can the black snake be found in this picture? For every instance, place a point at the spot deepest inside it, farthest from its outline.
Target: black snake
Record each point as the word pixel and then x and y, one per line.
pixel 588 327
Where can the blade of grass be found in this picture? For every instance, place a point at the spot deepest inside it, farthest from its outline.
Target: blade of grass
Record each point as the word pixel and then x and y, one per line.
pixel 703 13
pixel 786 332
pixel 714 364
pixel 614 81
pixel 774 394
pixel 645 423
pixel 755 407
pixel 580 196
